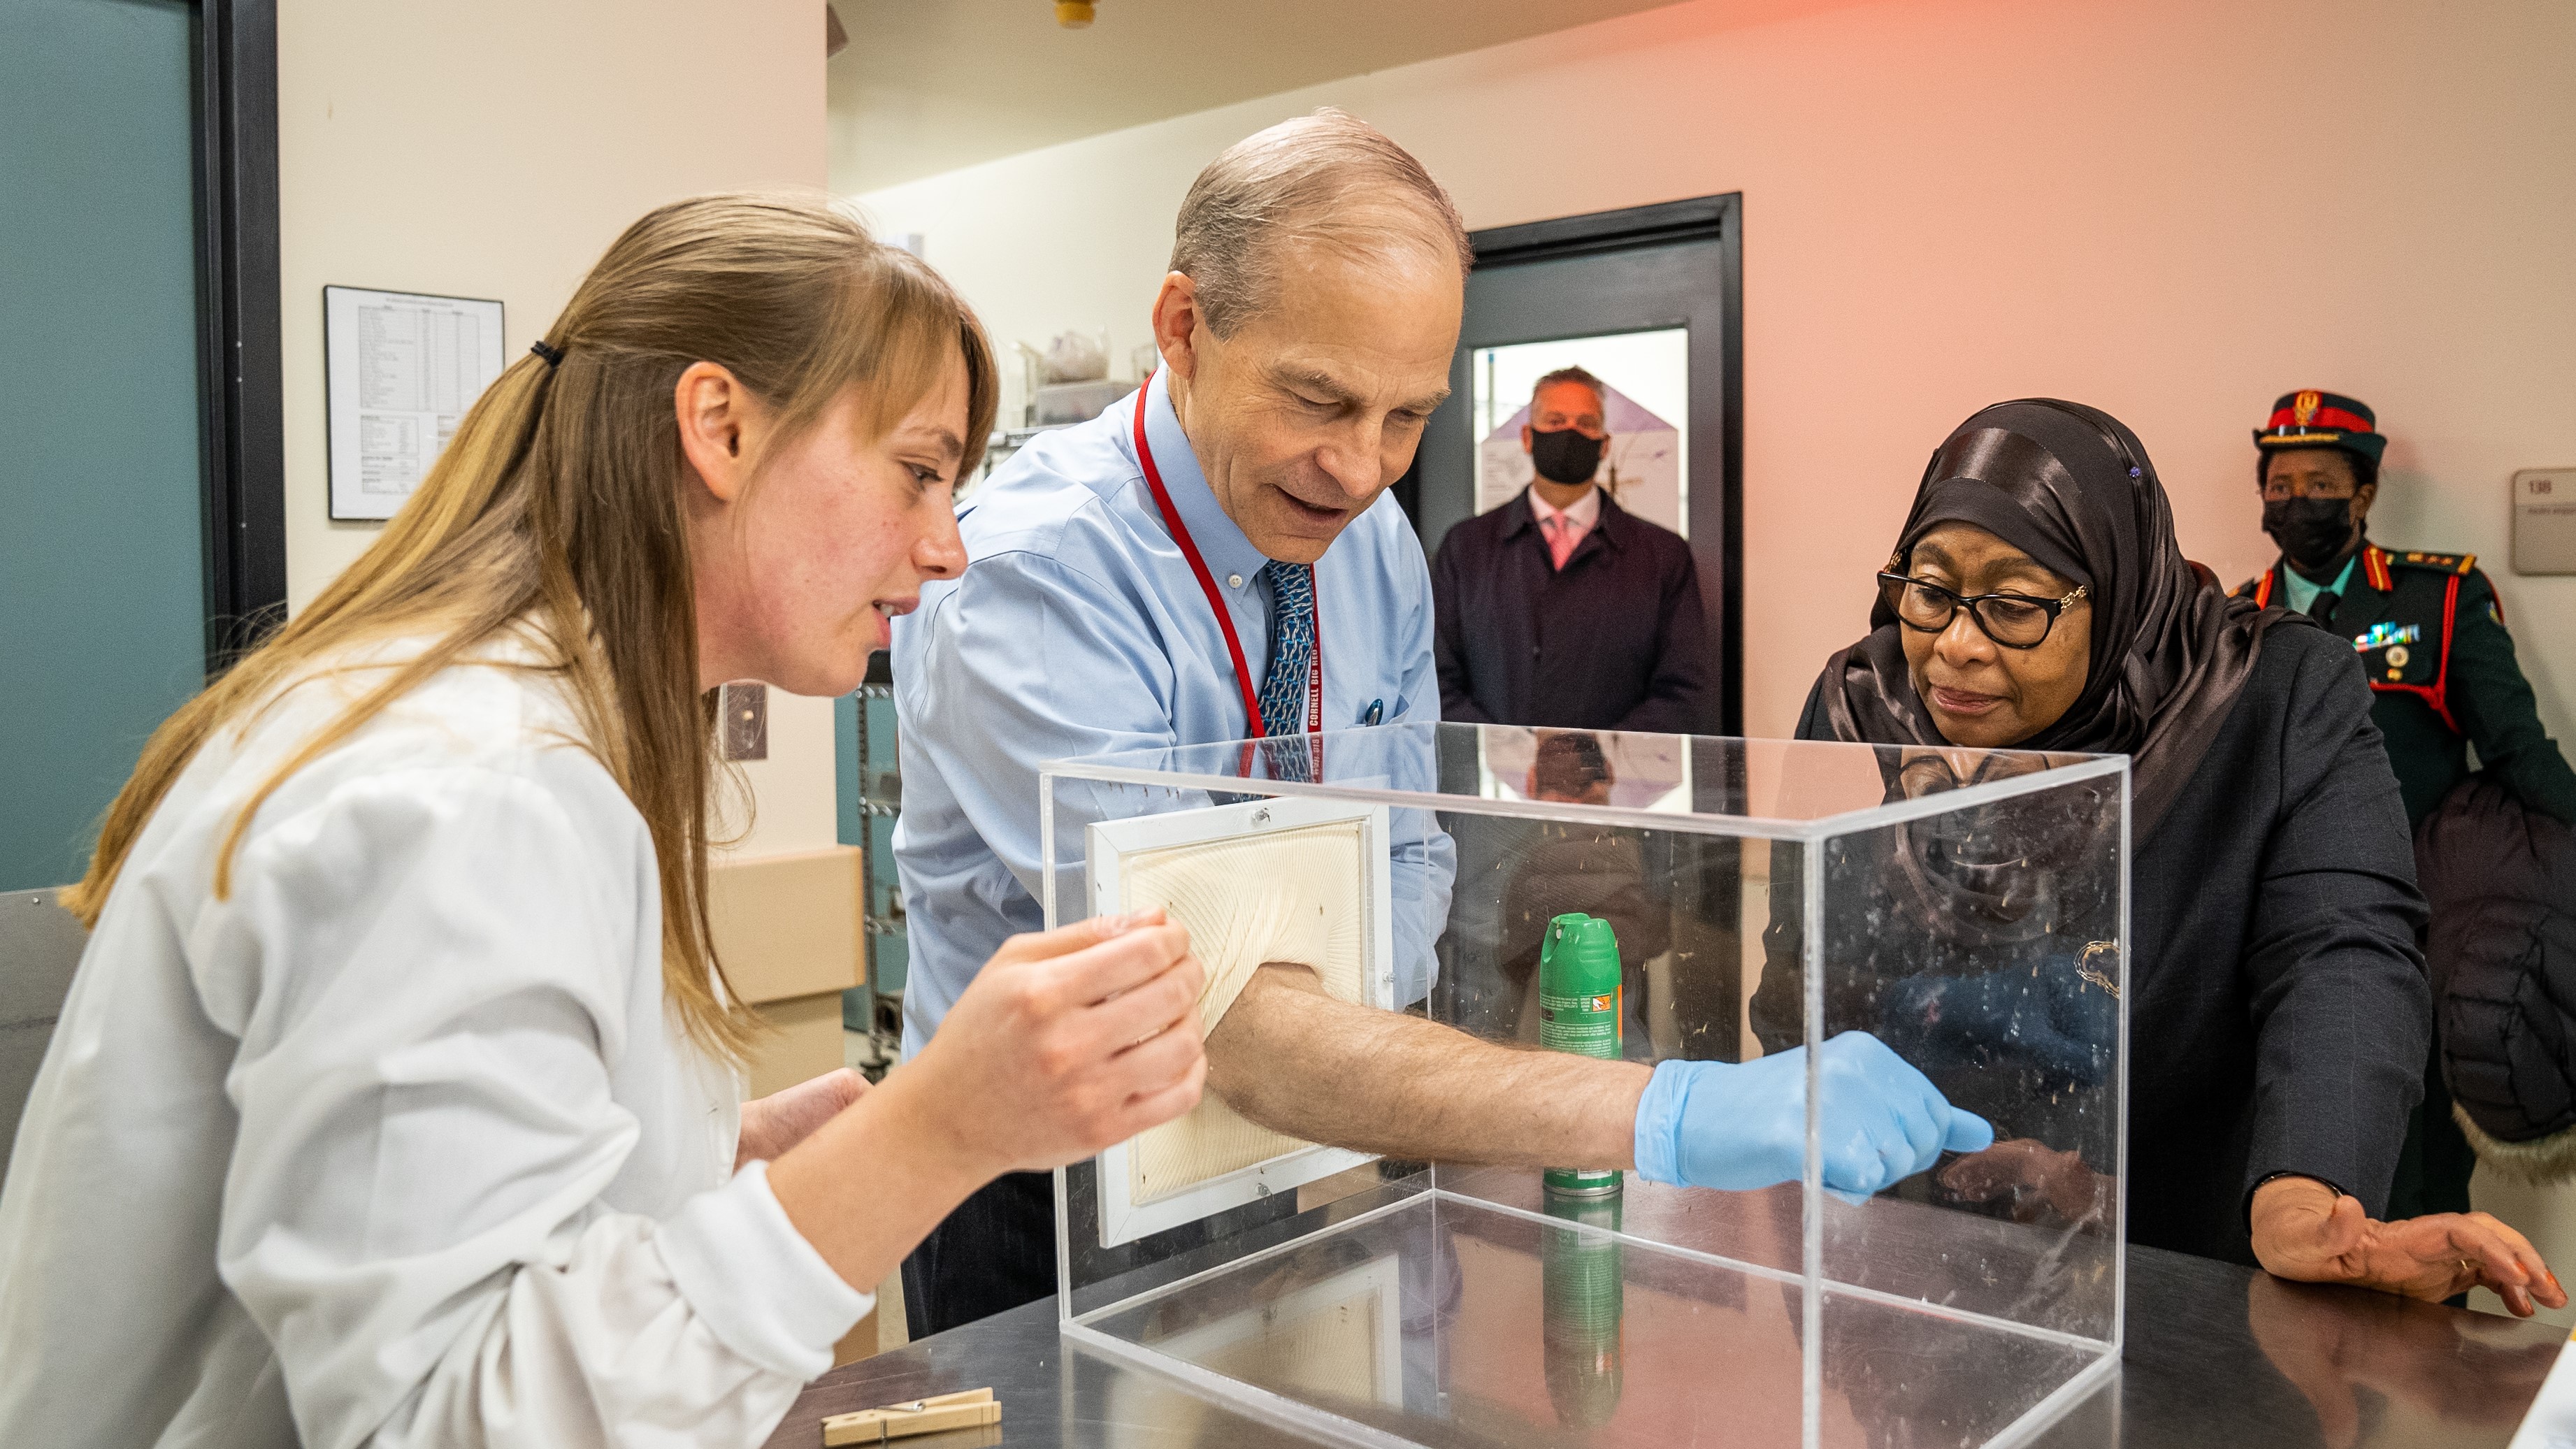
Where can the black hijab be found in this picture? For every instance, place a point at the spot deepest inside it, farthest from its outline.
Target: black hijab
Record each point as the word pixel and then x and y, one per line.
pixel 2072 487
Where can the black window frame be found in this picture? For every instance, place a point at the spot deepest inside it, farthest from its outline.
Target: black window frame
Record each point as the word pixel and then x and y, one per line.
pixel 1718 219
pixel 241 402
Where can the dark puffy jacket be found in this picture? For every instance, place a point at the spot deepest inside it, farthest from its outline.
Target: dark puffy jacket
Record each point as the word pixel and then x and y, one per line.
pixel 2501 880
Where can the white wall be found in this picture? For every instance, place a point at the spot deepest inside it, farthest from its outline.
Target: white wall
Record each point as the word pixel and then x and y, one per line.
pixel 2175 210
pixel 490 148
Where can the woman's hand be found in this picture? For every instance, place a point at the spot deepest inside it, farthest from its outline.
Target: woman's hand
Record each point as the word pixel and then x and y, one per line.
pixel 772 1124
pixel 2305 1230
pixel 1066 1043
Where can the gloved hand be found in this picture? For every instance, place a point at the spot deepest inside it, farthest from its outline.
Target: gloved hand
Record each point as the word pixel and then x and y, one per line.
pixel 1744 1125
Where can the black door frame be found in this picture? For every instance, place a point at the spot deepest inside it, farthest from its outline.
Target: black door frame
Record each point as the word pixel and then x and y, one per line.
pixel 1717 219
pixel 241 405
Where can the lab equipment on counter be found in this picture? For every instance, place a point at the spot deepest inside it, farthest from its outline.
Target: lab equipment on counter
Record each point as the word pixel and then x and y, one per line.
pixel 1068 381
pixel 1915 929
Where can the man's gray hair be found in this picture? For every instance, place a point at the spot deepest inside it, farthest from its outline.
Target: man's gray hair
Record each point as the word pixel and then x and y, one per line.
pixel 1580 377
pixel 1329 179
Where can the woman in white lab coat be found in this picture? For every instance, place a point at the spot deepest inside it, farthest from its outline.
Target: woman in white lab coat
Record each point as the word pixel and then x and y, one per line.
pixel 392 1104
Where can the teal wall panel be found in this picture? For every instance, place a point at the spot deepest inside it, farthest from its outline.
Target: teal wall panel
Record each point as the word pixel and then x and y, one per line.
pixel 102 602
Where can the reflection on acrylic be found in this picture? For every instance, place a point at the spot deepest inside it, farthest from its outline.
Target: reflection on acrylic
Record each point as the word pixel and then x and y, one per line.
pixel 1585 1297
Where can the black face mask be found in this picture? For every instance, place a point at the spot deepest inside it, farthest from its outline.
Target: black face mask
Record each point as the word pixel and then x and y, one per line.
pixel 1565 456
pixel 2312 532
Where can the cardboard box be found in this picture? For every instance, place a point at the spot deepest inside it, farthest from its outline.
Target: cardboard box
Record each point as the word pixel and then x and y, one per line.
pixel 802 1043
pixel 787 931
pixel 787 926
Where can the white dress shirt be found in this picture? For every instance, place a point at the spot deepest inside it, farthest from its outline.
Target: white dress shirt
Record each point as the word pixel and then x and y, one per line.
pixel 396 1144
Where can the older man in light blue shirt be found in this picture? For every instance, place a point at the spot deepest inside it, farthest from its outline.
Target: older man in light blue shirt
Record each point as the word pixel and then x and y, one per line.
pixel 1306 328
pixel 1079 629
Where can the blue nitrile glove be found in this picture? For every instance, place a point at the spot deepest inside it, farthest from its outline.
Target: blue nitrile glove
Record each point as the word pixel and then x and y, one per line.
pixel 1744 1125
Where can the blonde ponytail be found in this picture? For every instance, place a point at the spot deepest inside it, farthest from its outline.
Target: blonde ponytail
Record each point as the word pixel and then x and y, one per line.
pixel 557 509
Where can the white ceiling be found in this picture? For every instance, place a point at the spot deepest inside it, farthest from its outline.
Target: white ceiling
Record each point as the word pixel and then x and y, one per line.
pixel 931 85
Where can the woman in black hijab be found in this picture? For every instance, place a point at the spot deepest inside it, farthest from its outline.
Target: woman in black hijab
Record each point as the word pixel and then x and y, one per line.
pixel 2036 600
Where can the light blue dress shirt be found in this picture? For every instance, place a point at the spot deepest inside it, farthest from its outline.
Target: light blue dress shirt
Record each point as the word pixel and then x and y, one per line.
pixel 1078 629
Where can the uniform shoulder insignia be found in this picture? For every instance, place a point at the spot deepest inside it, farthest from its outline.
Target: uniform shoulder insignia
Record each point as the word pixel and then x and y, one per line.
pixel 2447 563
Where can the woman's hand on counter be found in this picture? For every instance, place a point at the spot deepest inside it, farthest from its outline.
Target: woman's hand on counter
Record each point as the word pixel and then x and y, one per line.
pixel 772 1124
pixel 2305 1230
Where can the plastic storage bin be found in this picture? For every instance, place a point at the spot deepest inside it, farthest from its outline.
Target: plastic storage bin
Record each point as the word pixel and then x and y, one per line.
pixel 1969 907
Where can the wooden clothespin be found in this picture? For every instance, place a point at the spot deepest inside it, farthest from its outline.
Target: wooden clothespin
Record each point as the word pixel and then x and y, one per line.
pixel 966 1409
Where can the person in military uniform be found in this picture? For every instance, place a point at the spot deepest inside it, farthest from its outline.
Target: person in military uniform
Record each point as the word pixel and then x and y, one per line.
pixel 2431 639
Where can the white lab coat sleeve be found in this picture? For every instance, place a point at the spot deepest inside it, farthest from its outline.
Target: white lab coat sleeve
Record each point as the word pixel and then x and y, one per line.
pixel 429 972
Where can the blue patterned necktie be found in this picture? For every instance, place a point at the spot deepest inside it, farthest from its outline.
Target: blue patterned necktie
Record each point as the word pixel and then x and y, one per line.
pixel 1292 647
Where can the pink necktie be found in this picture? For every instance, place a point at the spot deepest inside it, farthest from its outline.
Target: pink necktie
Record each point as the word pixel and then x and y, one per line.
pixel 1563 534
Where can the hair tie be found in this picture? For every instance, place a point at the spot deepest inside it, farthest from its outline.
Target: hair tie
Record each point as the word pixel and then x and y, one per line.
pixel 552 355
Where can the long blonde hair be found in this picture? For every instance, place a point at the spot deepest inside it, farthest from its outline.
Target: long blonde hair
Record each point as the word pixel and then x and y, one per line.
pixel 558 508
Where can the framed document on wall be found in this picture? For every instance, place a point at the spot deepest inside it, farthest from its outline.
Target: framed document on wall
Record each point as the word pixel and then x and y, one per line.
pixel 401 368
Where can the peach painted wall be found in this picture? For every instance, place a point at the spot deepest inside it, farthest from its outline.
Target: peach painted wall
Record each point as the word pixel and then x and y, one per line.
pixel 2175 210
pixel 2150 207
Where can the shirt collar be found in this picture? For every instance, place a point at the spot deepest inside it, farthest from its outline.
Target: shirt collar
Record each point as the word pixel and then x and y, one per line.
pixel 2303 594
pixel 1586 511
pixel 1221 543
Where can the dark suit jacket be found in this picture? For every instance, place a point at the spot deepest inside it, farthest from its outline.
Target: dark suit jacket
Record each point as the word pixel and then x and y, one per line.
pixel 2278 1013
pixel 1614 640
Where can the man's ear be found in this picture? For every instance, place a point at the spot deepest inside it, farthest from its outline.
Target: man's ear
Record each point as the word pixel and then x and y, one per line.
pixel 1529 437
pixel 713 411
pixel 2362 498
pixel 1177 318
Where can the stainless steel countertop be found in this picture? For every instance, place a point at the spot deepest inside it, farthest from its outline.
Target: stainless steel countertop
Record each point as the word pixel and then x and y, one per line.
pixel 2216 1354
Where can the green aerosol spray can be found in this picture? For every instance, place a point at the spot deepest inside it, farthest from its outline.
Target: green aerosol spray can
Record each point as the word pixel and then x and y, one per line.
pixel 1585 1300
pixel 1580 1008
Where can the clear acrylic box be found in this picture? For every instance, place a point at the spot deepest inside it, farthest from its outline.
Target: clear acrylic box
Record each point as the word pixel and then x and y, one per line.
pixel 1969 907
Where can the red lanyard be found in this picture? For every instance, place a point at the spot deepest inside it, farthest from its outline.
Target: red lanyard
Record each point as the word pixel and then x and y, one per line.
pixel 1216 602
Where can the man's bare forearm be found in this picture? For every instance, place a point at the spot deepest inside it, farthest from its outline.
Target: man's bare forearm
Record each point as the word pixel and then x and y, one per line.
pixel 1297 1061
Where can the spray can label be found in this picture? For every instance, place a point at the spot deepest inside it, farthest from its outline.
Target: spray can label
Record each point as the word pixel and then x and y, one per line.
pixel 1586 1025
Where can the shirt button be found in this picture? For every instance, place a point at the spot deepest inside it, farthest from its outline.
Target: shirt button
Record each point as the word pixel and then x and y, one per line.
pixel 1234 581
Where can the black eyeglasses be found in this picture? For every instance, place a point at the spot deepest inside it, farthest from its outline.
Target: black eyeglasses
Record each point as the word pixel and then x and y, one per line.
pixel 2015 621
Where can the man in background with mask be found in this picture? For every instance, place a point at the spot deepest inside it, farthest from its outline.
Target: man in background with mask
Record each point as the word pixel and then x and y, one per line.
pixel 1560 608
pixel 2432 642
